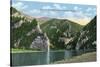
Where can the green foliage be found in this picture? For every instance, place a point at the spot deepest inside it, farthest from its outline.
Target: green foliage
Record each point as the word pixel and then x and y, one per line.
pixel 27 40
pixel 20 33
pixel 89 32
pixel 34 23
pixel 55 29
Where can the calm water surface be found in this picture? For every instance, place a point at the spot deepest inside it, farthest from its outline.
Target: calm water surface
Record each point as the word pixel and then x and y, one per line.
pixel 39 58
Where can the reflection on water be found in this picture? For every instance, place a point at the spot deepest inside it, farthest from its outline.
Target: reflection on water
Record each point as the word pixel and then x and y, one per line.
pixel 40 58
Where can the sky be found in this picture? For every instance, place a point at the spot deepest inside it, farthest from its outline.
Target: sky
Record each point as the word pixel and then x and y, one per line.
pixel 81 14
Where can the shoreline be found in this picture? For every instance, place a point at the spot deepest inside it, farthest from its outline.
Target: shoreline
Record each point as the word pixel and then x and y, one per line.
pixel 86 57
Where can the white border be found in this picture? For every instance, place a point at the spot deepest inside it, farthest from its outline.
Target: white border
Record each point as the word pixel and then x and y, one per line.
pixel 5 32
pixel 90 2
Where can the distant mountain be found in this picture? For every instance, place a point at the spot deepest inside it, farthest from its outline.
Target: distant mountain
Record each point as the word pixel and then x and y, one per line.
pixel 42 20
pixel 85 39
pixel 60 31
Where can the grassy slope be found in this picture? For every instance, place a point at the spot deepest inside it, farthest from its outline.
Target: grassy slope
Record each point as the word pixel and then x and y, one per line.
pixel 88 57
pixel 60 23
pixel 24 50
pixel 60 26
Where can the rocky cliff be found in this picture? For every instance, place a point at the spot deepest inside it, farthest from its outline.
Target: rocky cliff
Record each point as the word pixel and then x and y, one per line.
pixel 85 39
pixel 26 32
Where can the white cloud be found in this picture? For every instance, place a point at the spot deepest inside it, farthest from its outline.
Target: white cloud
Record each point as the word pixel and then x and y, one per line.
pixel 19 5
pixel 77 8
pixel 57 6
pixel 94 9
pixel 64 7
pixel 46 7
pixel 89 14
pixel 34 11
pixel 53 13
pixel 37 12
pixel 24 7
pixel 68 14
pixel 79 14
pixel 45 13
pixel 89 9
pixel 50 14
pixel 76 15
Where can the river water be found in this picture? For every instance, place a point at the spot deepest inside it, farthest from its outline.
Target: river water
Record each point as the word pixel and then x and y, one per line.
pixel 41 57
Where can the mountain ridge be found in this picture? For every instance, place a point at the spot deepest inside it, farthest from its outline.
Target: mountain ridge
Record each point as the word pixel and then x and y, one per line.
pixel 27 30
pixel 86 38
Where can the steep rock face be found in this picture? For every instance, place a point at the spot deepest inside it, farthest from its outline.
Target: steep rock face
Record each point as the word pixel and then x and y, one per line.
pixel 86 38
pixel 26 32
pixel 40 42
